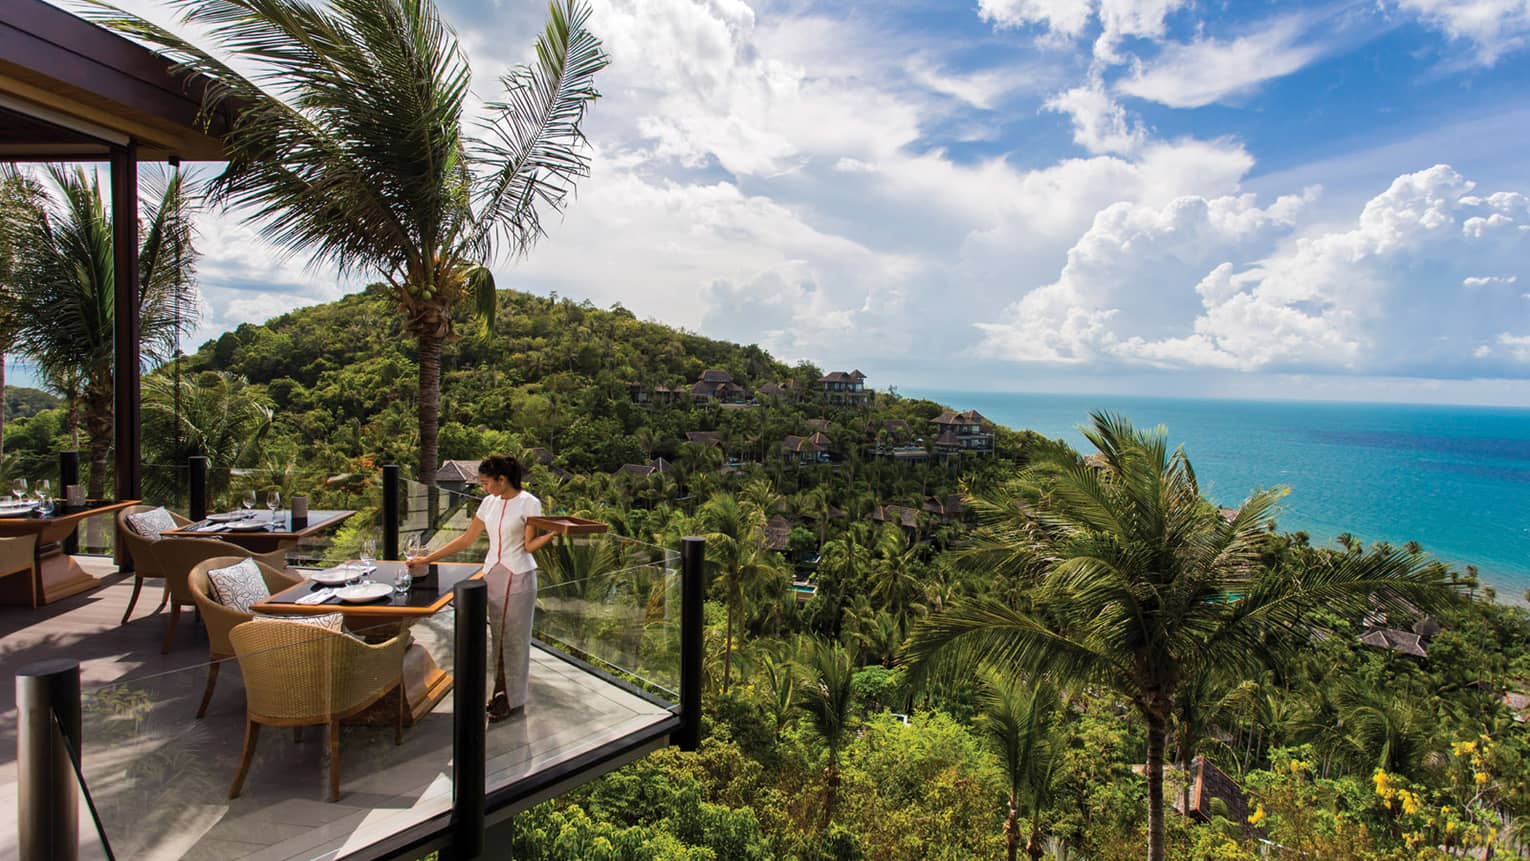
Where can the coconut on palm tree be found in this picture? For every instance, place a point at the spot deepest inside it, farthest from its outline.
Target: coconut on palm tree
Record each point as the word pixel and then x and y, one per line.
pixel 61 285
pixel 347 143
pixel 1136 584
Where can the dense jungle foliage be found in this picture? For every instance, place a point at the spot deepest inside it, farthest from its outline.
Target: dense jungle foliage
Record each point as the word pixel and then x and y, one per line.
pixel 821 741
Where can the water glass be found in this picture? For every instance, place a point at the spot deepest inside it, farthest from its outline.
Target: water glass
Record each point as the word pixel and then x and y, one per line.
pixel 45 506
pixel 402 581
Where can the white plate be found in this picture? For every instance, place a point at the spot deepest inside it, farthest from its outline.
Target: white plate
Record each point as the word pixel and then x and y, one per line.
pixel 229 516
pixel 16 508
pixel 364 592
pixel 335 576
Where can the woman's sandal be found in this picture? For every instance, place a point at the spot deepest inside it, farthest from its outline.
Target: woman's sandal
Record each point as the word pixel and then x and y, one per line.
pixel 499 708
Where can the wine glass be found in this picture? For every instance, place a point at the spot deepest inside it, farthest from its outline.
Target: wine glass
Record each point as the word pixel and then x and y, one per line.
pixel 43 489
pixel 368 555
pixel 19 488
pixel 273 502
pixel 413 547
pixel 247 502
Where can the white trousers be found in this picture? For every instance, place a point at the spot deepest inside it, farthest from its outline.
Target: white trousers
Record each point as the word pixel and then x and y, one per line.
pixel 512 603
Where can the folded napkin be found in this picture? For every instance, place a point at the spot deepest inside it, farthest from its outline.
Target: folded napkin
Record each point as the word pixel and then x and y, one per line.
pixel 318 596
pixel 210 527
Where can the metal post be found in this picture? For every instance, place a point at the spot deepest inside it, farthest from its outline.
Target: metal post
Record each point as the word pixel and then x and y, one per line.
pixel 692 594
pixel 390 512
pixel 125 320
pixel 469 730
pixel 47 813
pixel 197 496
pixel 69 473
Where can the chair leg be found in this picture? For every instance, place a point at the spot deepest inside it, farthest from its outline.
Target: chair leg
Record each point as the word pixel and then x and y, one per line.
pixel 164 598
pixel 334 759
pixel 251 734
pixel 212 680
pixel 133 601
pixel 398 726
pixel 175 617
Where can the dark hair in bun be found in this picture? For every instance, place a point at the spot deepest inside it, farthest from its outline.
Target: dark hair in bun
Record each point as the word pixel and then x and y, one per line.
pixel 502 466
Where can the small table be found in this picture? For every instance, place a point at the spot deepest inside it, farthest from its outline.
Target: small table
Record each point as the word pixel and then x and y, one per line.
pixel 284 537
pixel 55 574
pixel 424 685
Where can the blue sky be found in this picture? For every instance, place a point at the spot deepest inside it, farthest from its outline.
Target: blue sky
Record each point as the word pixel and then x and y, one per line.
pixel 1252 199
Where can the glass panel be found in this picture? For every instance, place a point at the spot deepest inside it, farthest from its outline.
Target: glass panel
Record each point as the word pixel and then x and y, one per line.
pixel 161 776
pixel 613 602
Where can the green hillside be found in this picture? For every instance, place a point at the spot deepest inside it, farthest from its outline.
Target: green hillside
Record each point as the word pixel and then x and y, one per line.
pixel 553 373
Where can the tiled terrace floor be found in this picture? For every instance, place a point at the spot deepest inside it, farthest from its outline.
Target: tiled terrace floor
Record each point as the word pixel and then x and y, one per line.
pixel 161 777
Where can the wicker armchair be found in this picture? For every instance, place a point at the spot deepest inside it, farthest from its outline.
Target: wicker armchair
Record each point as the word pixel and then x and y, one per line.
pixel 302 675
pixel 141 551
pixel 220 620
pixel 177 556
pixel 19 556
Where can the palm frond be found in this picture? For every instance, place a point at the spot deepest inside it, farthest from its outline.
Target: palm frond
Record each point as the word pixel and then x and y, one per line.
pixel 533 137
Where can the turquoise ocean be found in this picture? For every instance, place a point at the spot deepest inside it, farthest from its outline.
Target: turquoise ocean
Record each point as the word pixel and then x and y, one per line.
pixel 1455 479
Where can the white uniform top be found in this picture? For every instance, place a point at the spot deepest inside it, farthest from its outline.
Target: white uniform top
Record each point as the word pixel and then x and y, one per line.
pixel 505 521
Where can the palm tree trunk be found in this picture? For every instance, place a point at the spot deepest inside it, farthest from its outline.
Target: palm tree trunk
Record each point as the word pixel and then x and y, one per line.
pixel 1157 730
pixel 1033 846
pixel 728 649
pixel 1012 832
pixel 429 411
pixel 98 426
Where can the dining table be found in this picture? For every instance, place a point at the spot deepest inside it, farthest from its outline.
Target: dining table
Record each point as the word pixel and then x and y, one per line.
pixel 55 574
pixel 260 531
pixel 424 682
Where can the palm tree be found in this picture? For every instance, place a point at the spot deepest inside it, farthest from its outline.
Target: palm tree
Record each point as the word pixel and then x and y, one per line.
pixel 736 551
pixel 217 418
pixel 827 696
pixel 1139 586
pixel 60 274
pixel 1025 724
pixel 347 143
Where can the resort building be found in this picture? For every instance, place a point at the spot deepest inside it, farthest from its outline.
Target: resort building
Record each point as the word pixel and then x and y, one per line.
pixel 716 386
pixel 902 515
pixel 956 433
pixel 841 389
pixel 807 449
pixel 780 392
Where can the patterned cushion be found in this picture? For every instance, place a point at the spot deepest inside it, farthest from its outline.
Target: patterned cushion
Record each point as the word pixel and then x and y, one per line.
pixel 240 586
pixel 151 523
pixel 328 621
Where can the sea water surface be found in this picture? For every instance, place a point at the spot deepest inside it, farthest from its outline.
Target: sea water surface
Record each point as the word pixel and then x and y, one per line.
pixel 1455 479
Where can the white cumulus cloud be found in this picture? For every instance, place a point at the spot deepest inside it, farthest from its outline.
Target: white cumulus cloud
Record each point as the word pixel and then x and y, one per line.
pixel 1221 283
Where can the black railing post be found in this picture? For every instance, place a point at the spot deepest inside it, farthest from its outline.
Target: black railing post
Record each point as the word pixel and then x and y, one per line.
pixel 47 813
pixel 390 513
pixel 197 494
pixel 692 594
pixel 469 730
pixel 69 473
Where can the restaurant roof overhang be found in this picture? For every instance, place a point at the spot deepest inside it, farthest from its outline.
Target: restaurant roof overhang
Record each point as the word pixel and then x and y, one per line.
pixel 72 90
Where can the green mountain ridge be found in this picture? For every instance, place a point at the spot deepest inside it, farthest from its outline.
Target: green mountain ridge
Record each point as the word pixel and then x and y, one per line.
pixel 553 373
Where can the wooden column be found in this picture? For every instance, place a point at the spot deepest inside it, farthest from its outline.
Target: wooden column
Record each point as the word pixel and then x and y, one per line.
pixel 125 319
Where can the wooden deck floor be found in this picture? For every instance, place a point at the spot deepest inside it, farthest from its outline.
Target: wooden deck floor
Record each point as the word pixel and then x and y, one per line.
pixel 160 777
